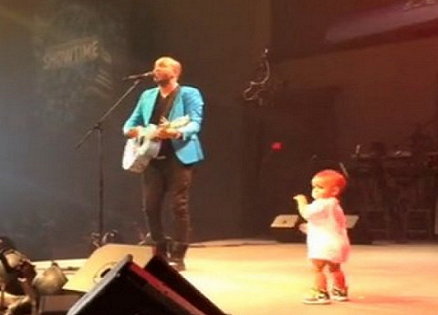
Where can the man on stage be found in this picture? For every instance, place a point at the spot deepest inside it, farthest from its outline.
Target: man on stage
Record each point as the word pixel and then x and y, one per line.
pixel 170 173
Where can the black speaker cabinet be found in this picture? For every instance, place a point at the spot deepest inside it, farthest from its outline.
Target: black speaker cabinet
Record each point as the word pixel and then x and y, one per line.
pixel 284 228
pixel 352 221
pixel 129 289
pixel 357 230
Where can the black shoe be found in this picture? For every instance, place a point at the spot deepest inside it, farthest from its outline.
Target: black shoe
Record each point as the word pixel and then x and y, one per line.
pixel 177 253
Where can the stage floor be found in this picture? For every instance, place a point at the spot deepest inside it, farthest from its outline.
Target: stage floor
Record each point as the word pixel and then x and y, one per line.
pixel 251 277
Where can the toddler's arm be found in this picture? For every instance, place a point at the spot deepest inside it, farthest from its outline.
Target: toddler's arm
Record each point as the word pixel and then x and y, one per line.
pixel 302 204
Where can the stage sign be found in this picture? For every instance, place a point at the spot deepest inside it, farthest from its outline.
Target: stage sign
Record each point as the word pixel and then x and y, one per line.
pixel 79 45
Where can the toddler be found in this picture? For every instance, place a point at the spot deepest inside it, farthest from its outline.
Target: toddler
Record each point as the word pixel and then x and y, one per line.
pixel 327 240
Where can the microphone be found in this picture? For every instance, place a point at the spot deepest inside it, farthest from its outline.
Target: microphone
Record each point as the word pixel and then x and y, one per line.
pixel 139 76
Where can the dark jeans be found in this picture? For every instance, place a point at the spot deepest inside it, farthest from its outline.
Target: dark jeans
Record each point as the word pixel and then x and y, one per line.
pixel 168 178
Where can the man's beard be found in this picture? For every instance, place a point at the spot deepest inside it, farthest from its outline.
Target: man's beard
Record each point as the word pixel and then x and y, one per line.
pixel 163 82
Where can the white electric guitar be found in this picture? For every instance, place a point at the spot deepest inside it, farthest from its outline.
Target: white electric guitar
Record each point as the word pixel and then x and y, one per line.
pixel 139 151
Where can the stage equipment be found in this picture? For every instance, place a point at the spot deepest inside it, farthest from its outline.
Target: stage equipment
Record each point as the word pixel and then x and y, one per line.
pixel 156 289
pixel 284 228
pixel 398 189
pixel 14 266
pixel 101 261
pixel 97 127
pixel 139 76
pixel 23 292
pixel 18 296
pixel 357 230
pixel 50 281
pixel 258 88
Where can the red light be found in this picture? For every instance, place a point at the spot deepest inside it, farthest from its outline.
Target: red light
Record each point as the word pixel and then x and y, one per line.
pixel 277 146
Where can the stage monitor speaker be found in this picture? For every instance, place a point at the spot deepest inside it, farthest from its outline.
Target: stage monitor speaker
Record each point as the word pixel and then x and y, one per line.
pixel 101 261
pixel 284 228
pixel 352 220
pixel 357 230
pixel 129 289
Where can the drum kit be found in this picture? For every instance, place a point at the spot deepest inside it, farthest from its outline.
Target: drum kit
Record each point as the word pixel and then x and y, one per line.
pixel 400 182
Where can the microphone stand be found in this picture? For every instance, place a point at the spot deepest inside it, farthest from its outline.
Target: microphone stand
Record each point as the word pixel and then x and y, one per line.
pixel 97 238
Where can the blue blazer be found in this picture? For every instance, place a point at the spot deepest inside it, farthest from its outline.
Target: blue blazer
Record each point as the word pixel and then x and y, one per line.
pixel 189 102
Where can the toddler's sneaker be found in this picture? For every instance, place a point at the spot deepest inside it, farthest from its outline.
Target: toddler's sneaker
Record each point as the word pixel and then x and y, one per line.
pixel 317 296
pixel 340 294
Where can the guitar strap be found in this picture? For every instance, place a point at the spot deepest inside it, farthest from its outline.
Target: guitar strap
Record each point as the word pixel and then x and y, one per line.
pixel 170 100
pixel 163 107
